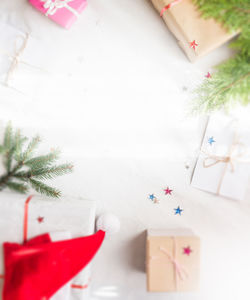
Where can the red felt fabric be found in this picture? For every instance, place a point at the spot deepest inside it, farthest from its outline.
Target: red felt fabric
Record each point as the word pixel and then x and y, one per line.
pixel 39 268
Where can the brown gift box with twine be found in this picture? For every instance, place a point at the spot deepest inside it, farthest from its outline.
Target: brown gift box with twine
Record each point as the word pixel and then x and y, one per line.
pixel 172 260
pixel 196 36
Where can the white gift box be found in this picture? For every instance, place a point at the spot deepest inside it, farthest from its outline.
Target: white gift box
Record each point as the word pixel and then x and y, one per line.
pixel 223 166
pixel 76 216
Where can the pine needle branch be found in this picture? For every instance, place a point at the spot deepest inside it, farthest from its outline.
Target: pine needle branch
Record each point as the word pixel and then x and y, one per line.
pixel 43 160
pixel 44 189
pixel 24 170
pixel 230 84
pixel 18 187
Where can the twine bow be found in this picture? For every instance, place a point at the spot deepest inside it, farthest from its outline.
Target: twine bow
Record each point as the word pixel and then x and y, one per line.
pixel 16 57
pixel 180 271
pixel 236 154
pixel 53 6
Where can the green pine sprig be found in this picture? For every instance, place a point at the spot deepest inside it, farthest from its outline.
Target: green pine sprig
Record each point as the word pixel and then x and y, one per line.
pixel 24 170
pixel 230 84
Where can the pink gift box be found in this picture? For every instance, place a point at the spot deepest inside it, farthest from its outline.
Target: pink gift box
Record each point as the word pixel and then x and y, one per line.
pixel 63 12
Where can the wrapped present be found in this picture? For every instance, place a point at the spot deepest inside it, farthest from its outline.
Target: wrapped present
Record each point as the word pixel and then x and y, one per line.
pixel 63 12
pixel 21 65
pixel 173 260
pixel 196 36
pixel 23 218
pixel 223 164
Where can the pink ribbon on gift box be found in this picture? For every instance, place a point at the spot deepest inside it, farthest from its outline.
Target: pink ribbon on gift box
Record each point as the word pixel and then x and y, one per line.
pixel 167 7
pixel 53 6
pixel 180 271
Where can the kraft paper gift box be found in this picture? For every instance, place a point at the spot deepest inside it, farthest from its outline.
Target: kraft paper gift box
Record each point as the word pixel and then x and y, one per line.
pixel 223 165
pixel 21 60
pixel 184 20
pixel 63 12
pixel 74 216
pixel 173 260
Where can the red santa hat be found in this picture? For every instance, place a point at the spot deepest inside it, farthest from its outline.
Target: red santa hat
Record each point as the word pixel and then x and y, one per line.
pixel 37 269
pixel 40 267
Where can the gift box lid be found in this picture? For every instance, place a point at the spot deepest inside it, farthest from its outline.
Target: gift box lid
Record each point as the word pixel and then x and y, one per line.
pixel 170 232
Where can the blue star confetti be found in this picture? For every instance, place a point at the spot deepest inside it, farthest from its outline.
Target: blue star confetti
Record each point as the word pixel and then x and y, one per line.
pixel 152 197
pixel 178 210
pixel 211 141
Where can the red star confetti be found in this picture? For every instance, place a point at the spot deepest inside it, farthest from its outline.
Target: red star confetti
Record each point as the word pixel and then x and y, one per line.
pixel 168 191
pixel 187 250
pixel 193 44
pixel 208 75
pixel 40 219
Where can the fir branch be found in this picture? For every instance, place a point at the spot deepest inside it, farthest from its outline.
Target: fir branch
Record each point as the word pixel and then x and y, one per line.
pixel 8 146
pixel 43 160
pixel 23 170
pixel 230 84
pixel 20 140
pixel 232 14
pixel 8 136
pixel 45 189
pixel 44 173
pixel 18 187
pixel 30 149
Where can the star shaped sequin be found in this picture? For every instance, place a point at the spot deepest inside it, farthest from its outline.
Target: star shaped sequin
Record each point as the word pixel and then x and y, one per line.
pixel 187 250
pixel 208 75
pixel 193 44
pixel 152 197
pixel 40 219
pixel 156 201
pixel 211 140
pixel 168 191
pixel 178 211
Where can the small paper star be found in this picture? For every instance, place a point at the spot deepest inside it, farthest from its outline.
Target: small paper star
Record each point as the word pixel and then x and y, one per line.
pixel 178 211
pixel 156 201
pixel 40 219
pixel 208 75
pixel 168 191
pixel 152 197
pixel 193 44
pixel 187 250
pixel 211 140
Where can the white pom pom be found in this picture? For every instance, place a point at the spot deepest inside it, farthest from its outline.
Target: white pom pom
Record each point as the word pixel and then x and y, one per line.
pixel 108 223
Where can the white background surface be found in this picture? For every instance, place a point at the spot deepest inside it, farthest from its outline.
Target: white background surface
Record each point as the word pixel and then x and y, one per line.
pixel 116 101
